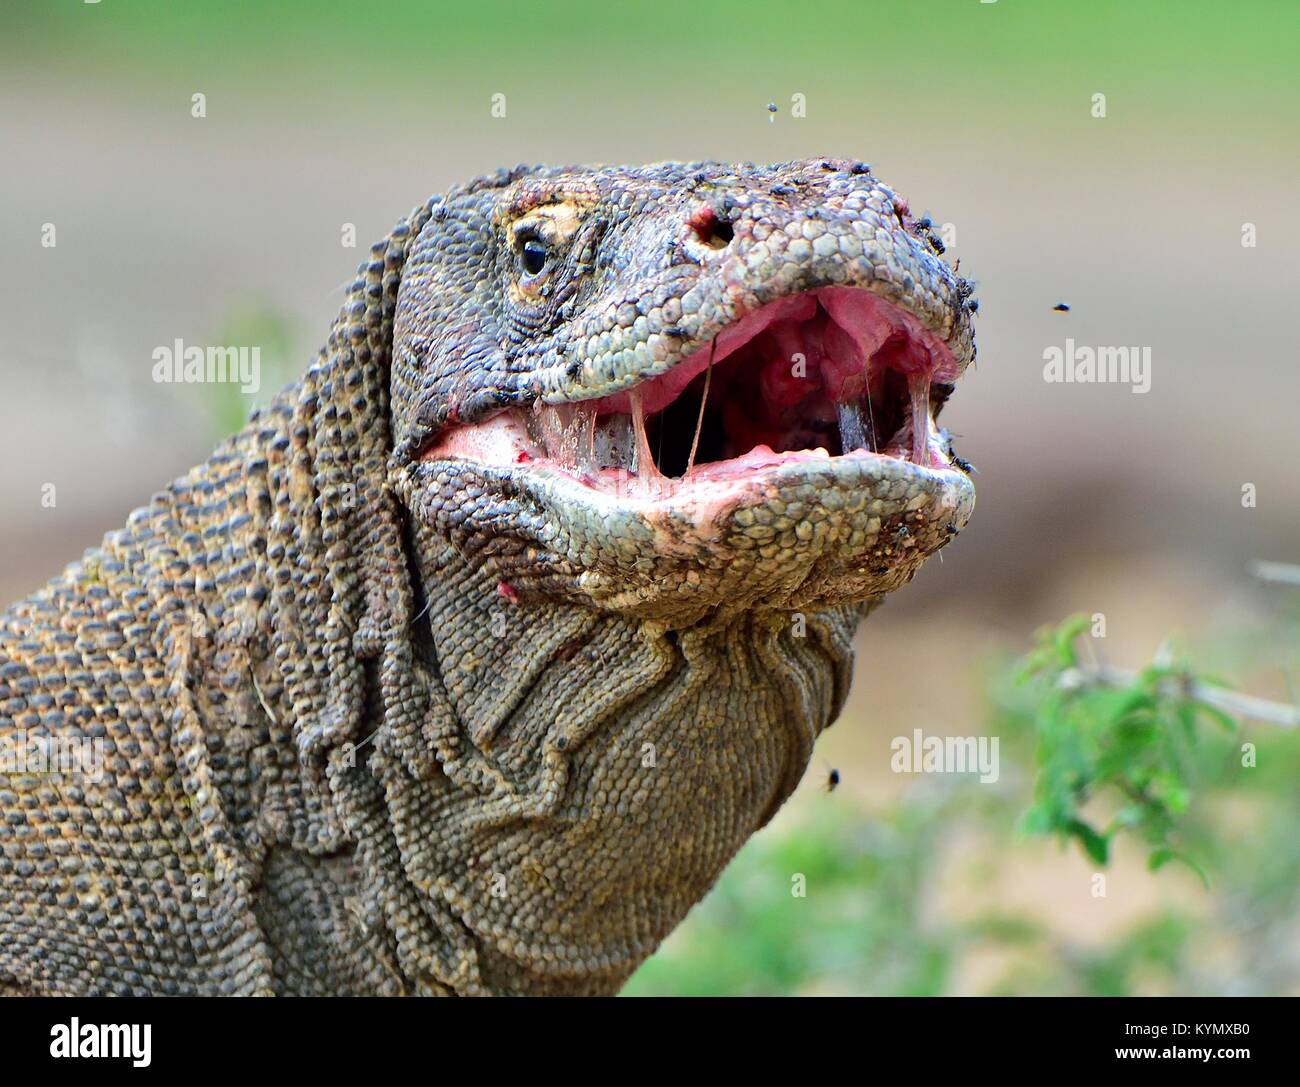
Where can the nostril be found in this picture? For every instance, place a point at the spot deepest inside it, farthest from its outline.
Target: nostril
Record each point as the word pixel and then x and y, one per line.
pixel 714 232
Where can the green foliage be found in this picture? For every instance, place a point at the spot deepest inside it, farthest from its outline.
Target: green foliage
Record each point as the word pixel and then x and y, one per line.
pixel 1024 55
pixel 1151 951
pixel 861 917
pixel 1129 745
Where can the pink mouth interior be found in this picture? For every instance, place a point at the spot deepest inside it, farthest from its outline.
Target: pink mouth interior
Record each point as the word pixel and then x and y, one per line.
pixel 832 372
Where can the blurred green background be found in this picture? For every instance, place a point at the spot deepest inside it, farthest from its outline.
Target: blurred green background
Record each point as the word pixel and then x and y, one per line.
pixel 229 228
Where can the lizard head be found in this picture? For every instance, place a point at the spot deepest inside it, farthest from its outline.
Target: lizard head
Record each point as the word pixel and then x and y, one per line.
pixel 673 408
pixel 682 388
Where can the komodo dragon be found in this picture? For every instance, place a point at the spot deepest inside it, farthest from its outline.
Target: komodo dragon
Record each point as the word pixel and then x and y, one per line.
pixel 470 662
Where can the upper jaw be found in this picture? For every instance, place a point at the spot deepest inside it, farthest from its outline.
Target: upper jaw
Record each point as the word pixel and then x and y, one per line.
pixel 668 293
pixel 862 241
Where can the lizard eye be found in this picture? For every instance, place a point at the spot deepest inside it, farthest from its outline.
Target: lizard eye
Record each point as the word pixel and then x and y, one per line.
pixel 532 256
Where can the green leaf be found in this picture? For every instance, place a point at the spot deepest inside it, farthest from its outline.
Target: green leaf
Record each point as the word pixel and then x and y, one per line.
pixel 1094 845
pixel 1066 635
pixel 1160 858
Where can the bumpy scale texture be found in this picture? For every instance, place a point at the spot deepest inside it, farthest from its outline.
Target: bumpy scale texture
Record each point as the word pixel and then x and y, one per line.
pixel 375 723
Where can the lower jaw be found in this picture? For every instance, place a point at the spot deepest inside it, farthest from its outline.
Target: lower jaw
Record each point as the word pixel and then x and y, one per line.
pixel 806 533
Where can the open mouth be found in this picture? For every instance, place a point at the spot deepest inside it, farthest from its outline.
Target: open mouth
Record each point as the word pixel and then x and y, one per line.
pixel 828 373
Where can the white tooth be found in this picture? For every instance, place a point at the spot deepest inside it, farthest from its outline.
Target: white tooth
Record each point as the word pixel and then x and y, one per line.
pixel 566 432
pixel 583 430
pixel 539 423
pixel 853 433
pixel 614 443
pixel 644 465
pixel 586 442
pixel 918 385
pixel 559 429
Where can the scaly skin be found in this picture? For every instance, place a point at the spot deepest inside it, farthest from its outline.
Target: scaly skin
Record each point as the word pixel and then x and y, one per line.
pixel 377 719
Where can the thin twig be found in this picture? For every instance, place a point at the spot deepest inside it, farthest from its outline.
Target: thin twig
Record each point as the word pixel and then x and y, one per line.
pixel 1185 687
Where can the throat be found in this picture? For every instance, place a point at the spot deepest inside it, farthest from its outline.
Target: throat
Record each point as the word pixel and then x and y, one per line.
pixel 573 750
